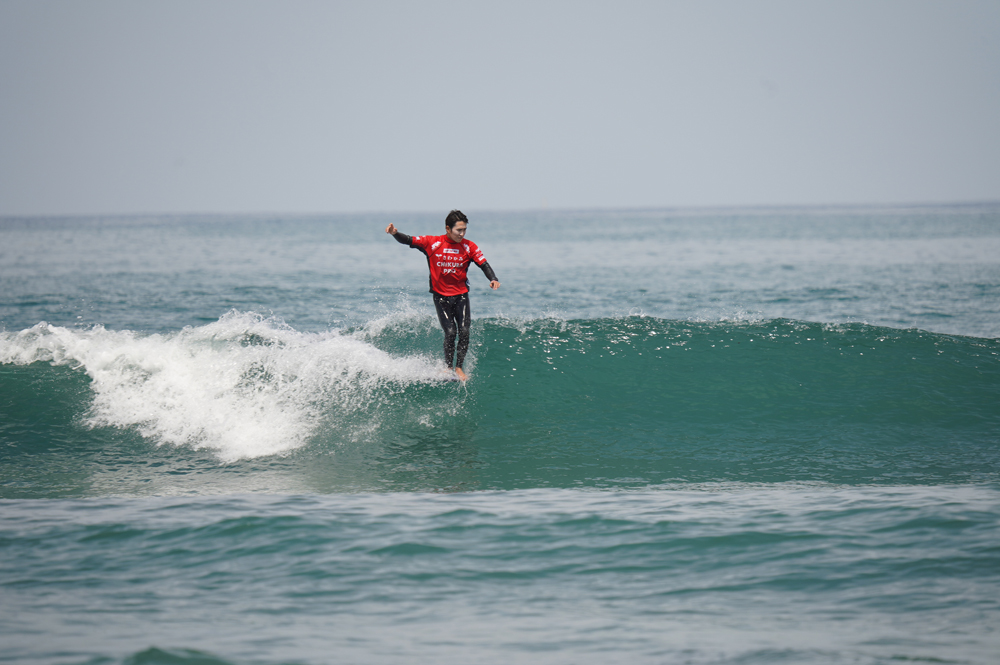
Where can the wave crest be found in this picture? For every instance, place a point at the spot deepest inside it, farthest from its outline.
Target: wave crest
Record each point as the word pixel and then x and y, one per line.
pixel 245 385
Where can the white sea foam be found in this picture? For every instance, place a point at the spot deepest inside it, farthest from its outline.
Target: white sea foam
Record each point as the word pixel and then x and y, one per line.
pixel 244 386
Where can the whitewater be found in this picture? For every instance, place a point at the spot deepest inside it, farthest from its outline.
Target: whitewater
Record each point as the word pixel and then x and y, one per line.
pixel 710 436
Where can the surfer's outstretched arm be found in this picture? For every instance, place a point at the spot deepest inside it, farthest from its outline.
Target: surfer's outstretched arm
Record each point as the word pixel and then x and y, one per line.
pixel 401 238
pixel 490 275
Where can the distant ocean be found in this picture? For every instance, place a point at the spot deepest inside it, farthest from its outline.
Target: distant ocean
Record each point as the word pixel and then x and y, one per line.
pixel 708 437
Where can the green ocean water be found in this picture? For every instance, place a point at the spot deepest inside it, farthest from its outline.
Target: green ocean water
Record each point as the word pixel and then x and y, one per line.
pixel 607 403
pixel 690 436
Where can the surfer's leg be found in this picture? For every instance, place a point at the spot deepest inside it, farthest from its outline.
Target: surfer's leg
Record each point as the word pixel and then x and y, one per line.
pixel 463 318
pixel 446 316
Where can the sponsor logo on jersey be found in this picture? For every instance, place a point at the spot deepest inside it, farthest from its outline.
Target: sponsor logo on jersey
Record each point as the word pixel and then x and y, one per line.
pixel 435 245
pixel 451 251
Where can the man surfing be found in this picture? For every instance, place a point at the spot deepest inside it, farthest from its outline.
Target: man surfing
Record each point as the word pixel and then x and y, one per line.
pixel 448 258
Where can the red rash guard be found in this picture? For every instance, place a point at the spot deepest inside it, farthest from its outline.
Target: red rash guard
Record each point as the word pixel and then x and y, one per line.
pixel 448 262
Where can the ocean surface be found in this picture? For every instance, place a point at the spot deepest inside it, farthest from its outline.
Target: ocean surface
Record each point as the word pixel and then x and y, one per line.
pixel 690 436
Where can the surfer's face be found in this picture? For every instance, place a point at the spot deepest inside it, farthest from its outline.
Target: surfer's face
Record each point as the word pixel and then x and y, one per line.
pixel 457 232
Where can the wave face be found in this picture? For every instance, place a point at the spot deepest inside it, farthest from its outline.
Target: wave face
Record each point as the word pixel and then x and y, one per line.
pixel 248 403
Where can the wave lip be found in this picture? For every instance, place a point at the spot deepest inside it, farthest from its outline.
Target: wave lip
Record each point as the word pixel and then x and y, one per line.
pixel 245 386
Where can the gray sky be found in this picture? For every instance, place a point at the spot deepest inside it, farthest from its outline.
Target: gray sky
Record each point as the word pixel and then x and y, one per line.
pixel 249 106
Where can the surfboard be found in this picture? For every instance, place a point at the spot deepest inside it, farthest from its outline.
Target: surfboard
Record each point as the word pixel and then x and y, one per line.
pixel 445 377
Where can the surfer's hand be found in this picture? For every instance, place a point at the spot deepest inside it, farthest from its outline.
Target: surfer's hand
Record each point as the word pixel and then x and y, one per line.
pixel 495 284
pixel 391 229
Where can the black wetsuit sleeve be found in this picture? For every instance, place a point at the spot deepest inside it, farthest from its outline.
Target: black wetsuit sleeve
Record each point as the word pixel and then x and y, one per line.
pixel 490 275
pixel 403 239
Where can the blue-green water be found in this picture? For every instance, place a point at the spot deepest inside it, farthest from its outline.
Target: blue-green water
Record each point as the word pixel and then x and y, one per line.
pixel 767 436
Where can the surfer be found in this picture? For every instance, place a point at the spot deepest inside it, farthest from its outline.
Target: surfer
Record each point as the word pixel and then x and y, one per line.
pixel 448 258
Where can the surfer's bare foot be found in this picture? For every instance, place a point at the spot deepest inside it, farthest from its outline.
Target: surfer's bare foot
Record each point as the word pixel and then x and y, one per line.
pixel 461 374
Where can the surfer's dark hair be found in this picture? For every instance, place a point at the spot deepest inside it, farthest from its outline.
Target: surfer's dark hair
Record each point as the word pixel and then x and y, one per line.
pixel 455 216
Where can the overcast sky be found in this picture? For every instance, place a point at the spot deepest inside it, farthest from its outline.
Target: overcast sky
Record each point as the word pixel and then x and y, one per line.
pixel 250 106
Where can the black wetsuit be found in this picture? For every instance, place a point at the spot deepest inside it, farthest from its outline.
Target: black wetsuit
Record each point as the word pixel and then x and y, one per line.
pixel 453 312
pixel 456 318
